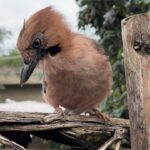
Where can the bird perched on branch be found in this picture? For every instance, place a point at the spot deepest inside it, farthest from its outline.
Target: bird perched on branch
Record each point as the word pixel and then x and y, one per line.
pixel 77 73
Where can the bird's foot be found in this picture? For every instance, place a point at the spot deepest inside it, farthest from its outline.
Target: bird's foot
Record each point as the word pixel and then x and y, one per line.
pixel 102 116
pixel 58 112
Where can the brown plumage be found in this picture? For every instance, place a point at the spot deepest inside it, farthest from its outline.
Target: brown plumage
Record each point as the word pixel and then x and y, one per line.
pixel 76 72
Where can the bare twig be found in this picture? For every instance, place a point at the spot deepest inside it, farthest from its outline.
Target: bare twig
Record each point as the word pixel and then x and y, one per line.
pixel 118 135
pixel 15 146
pixel 118 145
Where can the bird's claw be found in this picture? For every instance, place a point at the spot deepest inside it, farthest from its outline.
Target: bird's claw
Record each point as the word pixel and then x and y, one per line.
pixel 58 112
pixel 102 116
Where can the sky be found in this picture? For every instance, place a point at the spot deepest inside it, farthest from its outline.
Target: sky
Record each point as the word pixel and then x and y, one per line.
pixel 13 13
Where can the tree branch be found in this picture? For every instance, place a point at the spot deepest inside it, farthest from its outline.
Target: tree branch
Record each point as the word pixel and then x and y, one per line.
pixel 15 146
pixel 74 130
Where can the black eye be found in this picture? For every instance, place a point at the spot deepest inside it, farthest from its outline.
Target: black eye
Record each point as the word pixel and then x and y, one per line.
pixel 37 43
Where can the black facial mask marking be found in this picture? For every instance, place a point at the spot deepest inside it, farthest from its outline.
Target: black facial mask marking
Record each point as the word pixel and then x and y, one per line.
pixel 53 50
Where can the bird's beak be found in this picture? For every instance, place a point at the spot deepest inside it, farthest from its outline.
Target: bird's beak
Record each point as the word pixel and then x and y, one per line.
pixel 28 68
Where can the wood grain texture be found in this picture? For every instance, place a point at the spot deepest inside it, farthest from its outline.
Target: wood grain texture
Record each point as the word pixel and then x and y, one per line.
pixel 74 130
pixel 136 43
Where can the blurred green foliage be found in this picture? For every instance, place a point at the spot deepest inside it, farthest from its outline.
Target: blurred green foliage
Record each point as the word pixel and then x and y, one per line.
pixel 13 59
pixel 14 52
pixel 3 35
pixel 105 17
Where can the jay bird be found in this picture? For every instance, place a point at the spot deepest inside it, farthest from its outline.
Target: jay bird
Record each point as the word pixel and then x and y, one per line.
pixel 77 74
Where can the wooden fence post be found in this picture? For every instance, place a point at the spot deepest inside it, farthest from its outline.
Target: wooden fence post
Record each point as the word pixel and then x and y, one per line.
pixel 136 43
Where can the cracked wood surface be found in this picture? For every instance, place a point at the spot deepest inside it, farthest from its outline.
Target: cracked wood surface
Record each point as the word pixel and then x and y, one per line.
pixel 136 43
pixel 74 130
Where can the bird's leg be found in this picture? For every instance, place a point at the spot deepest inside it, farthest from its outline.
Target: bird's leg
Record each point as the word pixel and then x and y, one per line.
pixel 58 112
pixel 98 114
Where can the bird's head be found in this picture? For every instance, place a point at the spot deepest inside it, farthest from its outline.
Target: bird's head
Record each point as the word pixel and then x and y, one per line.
pixel 42 34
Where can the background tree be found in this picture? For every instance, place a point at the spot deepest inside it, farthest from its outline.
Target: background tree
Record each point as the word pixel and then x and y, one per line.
pixel 13 57
pixel 3 35
pixel 105 17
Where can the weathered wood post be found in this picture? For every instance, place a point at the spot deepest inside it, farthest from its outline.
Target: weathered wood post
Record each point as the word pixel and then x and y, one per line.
pixel 136 43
